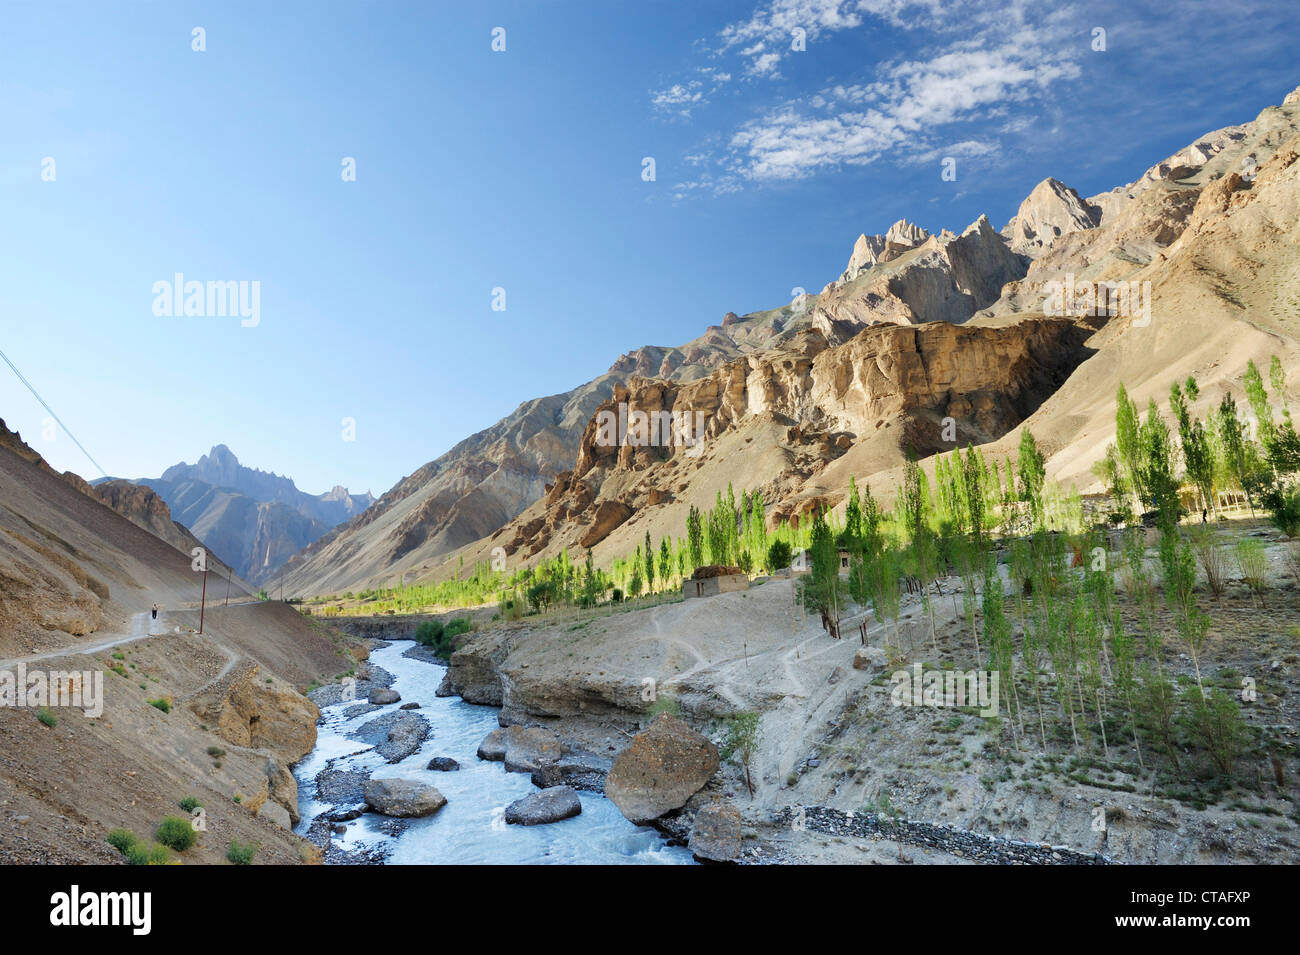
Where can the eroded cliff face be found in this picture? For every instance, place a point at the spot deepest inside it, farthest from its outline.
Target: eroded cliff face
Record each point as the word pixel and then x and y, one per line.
pixel 826 397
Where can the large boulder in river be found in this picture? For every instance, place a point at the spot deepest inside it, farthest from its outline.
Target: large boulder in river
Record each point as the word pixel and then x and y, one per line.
pixel 382 695
pixel 403 798
pixel 524 749
pixel 716 834
pixel 665 765
pixel 549 805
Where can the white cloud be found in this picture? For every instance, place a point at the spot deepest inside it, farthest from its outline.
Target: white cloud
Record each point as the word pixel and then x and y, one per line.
pixel 974 72
pixel 678 98
pixel 767 35
pixel 904 112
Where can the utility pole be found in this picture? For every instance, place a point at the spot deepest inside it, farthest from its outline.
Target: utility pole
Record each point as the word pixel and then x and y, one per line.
pixel 230 572
pixel 203 603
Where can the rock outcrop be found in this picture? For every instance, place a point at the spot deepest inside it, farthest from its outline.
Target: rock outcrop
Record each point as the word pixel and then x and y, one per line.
pixel 246 709
pixel 944 278
pixel 987 380
pixel 872 250
pixel 664 766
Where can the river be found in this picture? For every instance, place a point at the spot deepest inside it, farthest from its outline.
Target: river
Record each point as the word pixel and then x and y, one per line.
pixel 470 829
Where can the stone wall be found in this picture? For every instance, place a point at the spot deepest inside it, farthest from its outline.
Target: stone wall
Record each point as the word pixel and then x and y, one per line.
pixel 994 850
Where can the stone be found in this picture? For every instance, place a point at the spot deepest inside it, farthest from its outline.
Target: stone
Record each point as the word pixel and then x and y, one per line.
pixel 493 747
pixel 382 695
pixel 274 812
pixel 609 515
pixel 443 764
pixel 549 805
pixel 529 748
pixel 403 798
pixel 664 766
pixel 716 835
pixel 409 706
pixel 583 770
pixel 282 788
pixel 869 658
pixel 346 813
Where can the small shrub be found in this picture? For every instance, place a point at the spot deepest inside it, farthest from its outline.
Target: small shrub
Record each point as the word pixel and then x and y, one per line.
pixel 1253 564
pixel 176 833
pixel 141 854
pixel 1213 562
pixel 664 704
pixel 216 752
pixel 241 853
pixel 121 839
pixel 189 804
pixel 47 717
pixel 162 703
pixel 1291 556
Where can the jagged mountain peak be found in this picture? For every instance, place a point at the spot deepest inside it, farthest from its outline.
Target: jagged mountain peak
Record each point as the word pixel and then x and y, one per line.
pixel 1051 209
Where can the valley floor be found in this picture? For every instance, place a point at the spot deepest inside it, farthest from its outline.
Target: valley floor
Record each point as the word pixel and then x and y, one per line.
pixel 831 737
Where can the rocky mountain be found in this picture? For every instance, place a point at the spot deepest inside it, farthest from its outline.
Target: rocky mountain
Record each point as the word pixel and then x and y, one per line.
pixel 250 518
pixel 917 327
pixel 220 468
pixel 488 479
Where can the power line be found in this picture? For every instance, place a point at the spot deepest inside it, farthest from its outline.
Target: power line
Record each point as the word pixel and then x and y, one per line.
pixel 52 414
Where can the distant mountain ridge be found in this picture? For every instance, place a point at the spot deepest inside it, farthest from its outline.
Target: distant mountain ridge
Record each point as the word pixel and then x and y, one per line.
pixel 252 519
pixel 220 468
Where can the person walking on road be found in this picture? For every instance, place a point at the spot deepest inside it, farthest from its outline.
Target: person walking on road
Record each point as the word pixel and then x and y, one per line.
pixel 155 611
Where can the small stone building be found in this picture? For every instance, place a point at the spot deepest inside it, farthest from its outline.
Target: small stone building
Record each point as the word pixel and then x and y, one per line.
pixel 714 579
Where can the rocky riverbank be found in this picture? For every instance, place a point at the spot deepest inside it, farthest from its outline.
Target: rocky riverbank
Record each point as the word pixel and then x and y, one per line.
pixel 374 790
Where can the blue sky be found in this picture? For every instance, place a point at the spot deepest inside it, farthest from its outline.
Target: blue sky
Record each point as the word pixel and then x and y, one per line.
pixel 523 170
